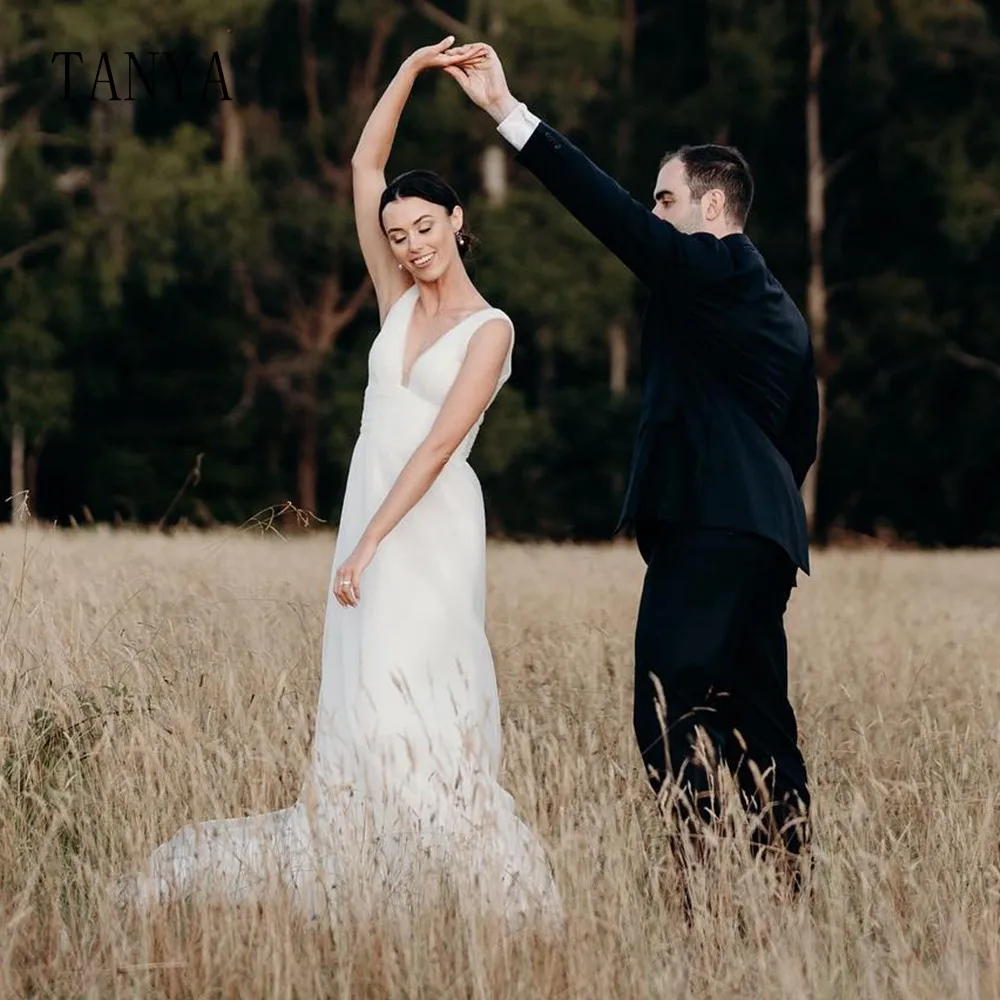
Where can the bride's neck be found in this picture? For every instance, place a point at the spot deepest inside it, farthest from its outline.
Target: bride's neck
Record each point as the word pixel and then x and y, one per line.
pixel 452 291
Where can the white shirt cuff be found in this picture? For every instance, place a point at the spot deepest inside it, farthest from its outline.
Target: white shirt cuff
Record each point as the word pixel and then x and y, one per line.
pixel 517 127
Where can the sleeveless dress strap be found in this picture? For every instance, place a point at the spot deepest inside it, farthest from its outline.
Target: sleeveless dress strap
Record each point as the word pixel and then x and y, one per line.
pixel 477 320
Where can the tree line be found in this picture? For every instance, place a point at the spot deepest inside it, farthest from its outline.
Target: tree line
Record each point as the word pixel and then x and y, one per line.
pixel 185 318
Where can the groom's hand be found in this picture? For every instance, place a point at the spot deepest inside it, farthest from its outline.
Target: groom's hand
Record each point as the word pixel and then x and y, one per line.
pixel 480 74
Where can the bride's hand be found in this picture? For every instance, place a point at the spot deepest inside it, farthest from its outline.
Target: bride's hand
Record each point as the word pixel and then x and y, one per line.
pixel 432 56
pixel 347 581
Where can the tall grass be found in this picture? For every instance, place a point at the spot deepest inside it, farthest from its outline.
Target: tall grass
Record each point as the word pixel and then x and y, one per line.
pixel 147 682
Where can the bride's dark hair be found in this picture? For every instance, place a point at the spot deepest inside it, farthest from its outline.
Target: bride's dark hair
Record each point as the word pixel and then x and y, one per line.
pixel 431 187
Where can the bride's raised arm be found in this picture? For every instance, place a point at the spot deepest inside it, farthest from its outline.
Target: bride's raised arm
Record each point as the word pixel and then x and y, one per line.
pixel 368 171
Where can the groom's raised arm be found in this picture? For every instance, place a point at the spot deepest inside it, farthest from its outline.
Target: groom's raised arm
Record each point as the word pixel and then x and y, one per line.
pixel 654 250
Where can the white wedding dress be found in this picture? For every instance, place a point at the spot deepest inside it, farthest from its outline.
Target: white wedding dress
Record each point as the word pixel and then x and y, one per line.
pixel 406 752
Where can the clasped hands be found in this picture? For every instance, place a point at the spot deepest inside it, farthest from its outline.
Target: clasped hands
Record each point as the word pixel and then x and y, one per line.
pixel 477 69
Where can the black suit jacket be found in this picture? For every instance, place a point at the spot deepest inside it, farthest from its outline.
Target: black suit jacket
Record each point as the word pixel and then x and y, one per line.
pixel 729 416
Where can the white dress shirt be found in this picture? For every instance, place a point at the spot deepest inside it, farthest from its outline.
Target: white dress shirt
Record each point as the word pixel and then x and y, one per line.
pixel 517 127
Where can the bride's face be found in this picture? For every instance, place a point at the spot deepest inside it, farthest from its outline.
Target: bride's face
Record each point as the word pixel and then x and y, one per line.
pixel 421 236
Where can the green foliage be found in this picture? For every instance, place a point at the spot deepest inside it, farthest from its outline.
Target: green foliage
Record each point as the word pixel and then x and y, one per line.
pixel 35 389
pixel 167 197
pixel 125 342
pixel 555 52
pixel 117 26
pixel 358 15
pixel 538 261
pixel 748 74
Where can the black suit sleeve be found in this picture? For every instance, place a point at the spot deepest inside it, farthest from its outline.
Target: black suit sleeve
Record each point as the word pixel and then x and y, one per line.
pixel 654 250
pixel 799 444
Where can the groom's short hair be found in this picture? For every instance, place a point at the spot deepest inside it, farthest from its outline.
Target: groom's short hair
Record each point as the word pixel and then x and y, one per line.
pixel 713 166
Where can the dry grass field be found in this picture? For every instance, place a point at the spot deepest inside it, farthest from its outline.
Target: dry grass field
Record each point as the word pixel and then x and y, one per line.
pixel 148 681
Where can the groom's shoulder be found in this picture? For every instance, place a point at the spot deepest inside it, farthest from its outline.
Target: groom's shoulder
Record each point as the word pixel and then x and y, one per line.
pixel 747 257
pixel 719 261
pixel 741 247
pixel 748 260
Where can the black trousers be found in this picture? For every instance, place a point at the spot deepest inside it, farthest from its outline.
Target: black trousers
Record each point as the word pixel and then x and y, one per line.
pixel 711 631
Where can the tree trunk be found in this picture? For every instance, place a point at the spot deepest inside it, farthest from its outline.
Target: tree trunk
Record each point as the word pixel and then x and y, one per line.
pixel 494 174
pixel 303 334
pixel 17 431
pixel 308 458
pixel 618 352
pixel 230 122
pixel 18 501
pixel 474 15
pixel 31 460
pixel 484 18
pixel 618 345
pixel 108 124
pixel 546 342
pixel 816 293
pixel 272 452
pixel 4 140
pixel 4 153
pixel 307 471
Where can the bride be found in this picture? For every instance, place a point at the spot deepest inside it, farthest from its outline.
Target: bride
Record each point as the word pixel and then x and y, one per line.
pixel 406 752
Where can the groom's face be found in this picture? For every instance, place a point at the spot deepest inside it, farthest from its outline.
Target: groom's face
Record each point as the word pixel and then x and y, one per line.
pixel 672 200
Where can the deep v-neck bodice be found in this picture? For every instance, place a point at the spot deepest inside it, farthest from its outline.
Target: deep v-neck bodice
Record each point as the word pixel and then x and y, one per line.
pixel 406 325
pixel 421 390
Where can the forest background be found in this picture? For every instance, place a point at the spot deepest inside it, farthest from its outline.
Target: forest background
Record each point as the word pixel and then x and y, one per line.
pixel 185 319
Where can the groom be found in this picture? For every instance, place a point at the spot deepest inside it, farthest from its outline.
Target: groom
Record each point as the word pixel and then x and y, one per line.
pixel 726 435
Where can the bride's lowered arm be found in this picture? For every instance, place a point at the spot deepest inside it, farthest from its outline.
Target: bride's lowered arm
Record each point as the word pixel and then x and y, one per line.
pixel 469 396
